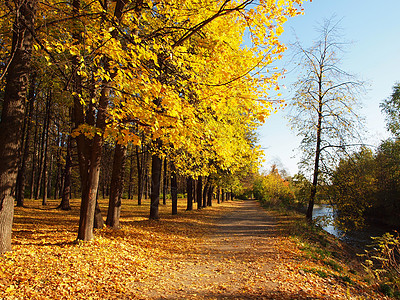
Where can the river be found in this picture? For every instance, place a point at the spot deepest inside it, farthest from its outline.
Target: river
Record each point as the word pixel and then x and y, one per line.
pixel 358 238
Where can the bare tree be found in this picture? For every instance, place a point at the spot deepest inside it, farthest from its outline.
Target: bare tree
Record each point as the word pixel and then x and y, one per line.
pixel 324 106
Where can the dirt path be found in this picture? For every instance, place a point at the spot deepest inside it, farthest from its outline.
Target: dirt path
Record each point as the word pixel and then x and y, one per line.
pixel 235 262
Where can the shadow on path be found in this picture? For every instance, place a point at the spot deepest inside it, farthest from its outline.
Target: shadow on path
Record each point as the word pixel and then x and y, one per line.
pixel 234 262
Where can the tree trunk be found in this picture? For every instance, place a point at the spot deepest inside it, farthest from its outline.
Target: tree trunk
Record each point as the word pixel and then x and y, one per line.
pixel 199 192
pixel 210 194
pixel 20 192
pixel 174 190
pixel 65 205
pixel 156 164
pixel 117 183
pixel 139 161
pixel 59 142
pixel 189 191
pixel 34 156
pixel 205 194
pixel 165 182
pixel 40 162
pixel 49 176
pixel 58 185
pixel 317 155
pixel 98 218
pixel 46 148
pixel 130 183
pixel 222 195
pixel 12 117
pixel 147 185
pixel 218 195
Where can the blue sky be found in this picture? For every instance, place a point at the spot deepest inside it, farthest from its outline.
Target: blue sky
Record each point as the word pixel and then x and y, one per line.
pixel 373 28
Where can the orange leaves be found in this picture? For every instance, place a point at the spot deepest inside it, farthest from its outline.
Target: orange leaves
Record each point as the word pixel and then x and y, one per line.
pixel 47 264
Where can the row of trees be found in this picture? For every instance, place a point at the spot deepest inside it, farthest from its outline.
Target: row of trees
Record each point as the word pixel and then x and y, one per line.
pixel 144 80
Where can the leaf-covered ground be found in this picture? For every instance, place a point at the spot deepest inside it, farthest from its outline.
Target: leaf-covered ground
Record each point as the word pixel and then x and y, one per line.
pixel 234 250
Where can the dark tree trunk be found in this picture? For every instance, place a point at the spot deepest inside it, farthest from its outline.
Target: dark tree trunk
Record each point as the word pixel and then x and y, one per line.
pixel 98 218
pixel 50 177
pixel 59 142
pixel 156 164
pixel 165 182
pixel 147 186
pixel 222 195
pixel 194 190
pixel 174 190
pixel 317 157
pixel 140 171
pixel 117 183
pixel 20 192
pixel 65 205
pixel 218 195
pixel 205 194
pixel 46 148
pixel 12 116
pixel 199 192
pixel 210 194
pixel 189 191
pixel 130 183
pixel 34 156
pixel 39 176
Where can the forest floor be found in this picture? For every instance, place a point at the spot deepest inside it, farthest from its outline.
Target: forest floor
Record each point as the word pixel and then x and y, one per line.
pixel 233 250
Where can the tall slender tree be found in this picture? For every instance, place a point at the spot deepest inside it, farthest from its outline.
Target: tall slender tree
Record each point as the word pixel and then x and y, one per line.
pixel 174 190
pixel 324 106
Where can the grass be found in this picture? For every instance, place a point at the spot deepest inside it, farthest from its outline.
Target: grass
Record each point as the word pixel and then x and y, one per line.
pixel 326 256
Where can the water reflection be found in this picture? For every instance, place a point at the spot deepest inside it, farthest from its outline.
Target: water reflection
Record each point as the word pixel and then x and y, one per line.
pixel 358 238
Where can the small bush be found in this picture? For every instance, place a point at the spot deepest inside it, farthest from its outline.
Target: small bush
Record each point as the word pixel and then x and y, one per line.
pixel 273 190
pixel 334 265
pixel 383 263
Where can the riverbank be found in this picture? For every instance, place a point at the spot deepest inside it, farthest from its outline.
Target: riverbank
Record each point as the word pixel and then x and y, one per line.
pixel 311 251
pixel 361 239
